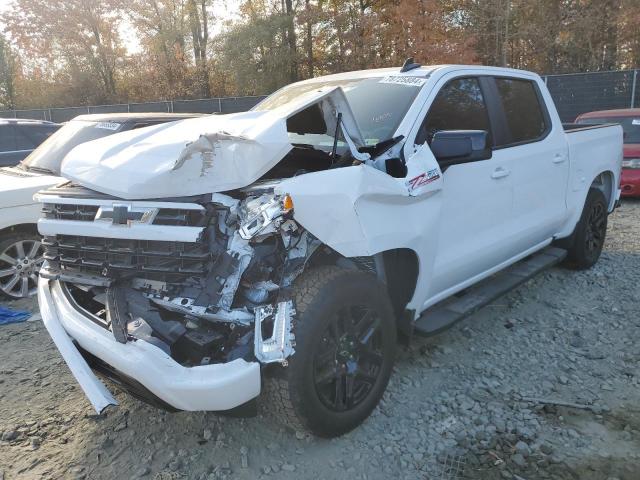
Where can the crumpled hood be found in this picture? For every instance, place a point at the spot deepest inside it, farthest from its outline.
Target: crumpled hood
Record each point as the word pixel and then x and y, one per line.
pixel 200 155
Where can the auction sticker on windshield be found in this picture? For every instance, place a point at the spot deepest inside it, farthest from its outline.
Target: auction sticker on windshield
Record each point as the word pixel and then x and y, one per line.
pixel 635 121
pixel 108 125
pixel 408 81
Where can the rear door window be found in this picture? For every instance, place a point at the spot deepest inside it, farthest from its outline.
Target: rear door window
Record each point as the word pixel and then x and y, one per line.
pixel 525 115
pixel 459 105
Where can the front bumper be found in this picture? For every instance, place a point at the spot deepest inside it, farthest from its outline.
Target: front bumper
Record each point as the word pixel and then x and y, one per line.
pixel 208 387
pixel 630 182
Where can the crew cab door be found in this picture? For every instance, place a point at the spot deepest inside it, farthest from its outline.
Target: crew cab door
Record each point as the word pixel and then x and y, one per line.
pixel 540 161
pixel 477 196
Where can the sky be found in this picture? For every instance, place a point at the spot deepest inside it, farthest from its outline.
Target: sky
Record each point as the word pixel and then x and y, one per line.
pixel 4 5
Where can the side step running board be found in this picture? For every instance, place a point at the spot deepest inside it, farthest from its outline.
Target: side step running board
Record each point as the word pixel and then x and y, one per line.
pixel 449 311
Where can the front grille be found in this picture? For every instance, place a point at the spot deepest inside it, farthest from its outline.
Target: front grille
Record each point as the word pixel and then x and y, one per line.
pixel 104 256
pixel 175 217
pixel 179 217
pixel 61 211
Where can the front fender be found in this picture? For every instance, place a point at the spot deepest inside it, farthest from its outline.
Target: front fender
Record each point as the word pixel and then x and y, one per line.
pixel 359 210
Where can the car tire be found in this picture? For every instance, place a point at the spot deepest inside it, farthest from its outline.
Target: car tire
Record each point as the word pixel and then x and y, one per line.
pixel 345 342
pixel 588 238
pixel 20 261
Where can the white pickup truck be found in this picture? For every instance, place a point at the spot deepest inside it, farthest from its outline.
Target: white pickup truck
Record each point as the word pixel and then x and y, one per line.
pixel 283 249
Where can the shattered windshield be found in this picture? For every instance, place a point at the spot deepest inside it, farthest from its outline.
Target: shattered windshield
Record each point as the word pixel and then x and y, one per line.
pixel 49 155
pixel 378 104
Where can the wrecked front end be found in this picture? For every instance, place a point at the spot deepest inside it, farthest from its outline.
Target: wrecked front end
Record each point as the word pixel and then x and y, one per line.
pixel 171 255
pixel 182 300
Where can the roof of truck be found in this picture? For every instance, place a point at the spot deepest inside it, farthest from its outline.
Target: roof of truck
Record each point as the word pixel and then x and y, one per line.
pixel 422 71
pixel 620 112
pixel 132 117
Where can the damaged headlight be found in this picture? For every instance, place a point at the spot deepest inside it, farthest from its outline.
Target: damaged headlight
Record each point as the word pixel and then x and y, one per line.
pixel 263 214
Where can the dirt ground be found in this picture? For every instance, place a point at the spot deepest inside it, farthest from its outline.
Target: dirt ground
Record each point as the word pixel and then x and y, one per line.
pixel 544 383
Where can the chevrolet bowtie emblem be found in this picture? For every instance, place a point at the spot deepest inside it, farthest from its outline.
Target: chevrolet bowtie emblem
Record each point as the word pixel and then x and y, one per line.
pixel 123 214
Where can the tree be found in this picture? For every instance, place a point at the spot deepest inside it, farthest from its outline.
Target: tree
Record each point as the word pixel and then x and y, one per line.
pixel 161 26
pixel 70 51
pixel 7 75
pixel 199 24
pixel 80 34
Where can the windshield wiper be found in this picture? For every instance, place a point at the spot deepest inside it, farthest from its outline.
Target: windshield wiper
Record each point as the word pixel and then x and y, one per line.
pixel 29 168
pixel 305 146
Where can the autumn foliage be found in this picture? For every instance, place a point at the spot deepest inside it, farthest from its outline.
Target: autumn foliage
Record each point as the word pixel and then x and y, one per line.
pixel 77 52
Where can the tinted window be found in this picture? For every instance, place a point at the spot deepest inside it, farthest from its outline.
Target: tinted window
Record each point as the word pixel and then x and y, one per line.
pixel 41 132
pixel 29 137
pixel 630 126
pixel 7 138
pixel 459 105
pixel 525 118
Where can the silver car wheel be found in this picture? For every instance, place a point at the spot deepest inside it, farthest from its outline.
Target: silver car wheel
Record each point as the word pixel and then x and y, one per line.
pixel 19 266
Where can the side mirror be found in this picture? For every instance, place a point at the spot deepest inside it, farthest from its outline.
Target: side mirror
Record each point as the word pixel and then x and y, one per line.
pixel 451 147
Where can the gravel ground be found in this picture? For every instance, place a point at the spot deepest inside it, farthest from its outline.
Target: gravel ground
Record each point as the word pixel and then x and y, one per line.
pixel 541 384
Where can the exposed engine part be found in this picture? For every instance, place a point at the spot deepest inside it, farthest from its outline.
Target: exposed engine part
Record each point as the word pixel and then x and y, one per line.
pixel 280 345
pixel 259 292
pixel 240 250
pixel 297 254
pixel 186 306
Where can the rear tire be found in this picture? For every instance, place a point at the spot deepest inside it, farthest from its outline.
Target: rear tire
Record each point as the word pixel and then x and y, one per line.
pixel 589 236
pixel 345 350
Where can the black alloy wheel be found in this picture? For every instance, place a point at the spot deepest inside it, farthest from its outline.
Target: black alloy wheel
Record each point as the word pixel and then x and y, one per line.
pixel 347 363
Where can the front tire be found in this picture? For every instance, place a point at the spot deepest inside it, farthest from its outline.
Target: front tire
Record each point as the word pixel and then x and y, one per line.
pixel 589 236
pixel 20 262
pixel 345 350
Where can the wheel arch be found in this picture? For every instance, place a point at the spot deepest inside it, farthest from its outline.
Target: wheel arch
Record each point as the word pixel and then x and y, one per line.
pixel 28 228
pixel 398 269
pixel 605 181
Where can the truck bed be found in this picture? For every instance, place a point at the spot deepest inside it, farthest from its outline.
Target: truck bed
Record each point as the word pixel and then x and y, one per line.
pixel 591 149
pixel 573 127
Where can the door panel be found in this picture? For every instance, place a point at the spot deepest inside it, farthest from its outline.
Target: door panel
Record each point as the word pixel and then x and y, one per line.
pixel 540 163
pixel 540 178
pixel 474 232
pixel 477 196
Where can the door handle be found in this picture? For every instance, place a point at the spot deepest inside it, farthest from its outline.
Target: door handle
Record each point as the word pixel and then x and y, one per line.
pixel 559 158
pixel 500 173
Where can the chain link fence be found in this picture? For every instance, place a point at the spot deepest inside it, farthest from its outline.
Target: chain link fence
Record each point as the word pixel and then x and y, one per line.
pixel 578 93
pixel 573 94
pixel 204 105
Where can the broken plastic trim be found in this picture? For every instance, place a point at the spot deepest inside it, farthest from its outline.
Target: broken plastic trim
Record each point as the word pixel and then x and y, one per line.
pixel 262 217
pixel 280 345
